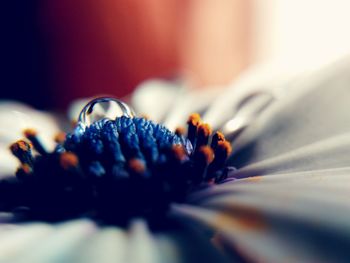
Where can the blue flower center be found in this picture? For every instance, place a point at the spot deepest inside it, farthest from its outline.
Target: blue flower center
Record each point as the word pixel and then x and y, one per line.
pixel 115 170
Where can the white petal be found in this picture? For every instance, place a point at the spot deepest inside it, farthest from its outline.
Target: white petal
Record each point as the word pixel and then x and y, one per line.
pixel 14 118
pixel 142 247
pixel 189 101
pixel 330 153
pixel 275 77
pixel 8 163
pixel 17 238
pixel 109 245
pixel 75 108
pixel 262 78
pixel 155 98
pixel 317 111
pixel 169 250
pixel 58 246
pixel 262 236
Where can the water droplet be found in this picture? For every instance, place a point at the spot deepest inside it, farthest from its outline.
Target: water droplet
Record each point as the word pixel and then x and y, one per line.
pixel 104 107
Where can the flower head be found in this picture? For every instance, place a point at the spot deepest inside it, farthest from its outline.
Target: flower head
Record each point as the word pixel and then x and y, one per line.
pixel 288 200
pixel 117 169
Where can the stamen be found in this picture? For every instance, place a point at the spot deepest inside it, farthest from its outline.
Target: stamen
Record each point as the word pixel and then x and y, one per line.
pixel 222 151
pixel 203 133
pixel 180 131
pixel 205 154
pixel 145 116
pixel 23 172
pixel 217 137
pixel 60 137
pixel 224 148
pixel 179 153
pixel 31 135
pixel 23 151
pixel 68 160
pixel 202 158
pixel 137 166
pixel 193 123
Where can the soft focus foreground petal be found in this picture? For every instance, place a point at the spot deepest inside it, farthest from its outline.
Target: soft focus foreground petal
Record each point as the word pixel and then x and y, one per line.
pixel 17 238
pixel 193 241
pixel 294 217
pixel 80 241
pixel 14 118
pixel 59 246
pixel 155 98
pixel 142 246
pixel 331 153
pixel 114 245
pixel 109 245
pixel 318 110
pixel 274 229
pixel 172 246
pixel 84 241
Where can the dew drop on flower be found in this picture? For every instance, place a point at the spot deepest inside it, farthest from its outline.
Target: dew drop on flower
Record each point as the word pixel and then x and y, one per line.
pixel 104 107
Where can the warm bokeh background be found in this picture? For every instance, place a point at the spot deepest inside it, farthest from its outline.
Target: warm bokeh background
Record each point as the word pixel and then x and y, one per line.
pixel 58 50
pixel 86 47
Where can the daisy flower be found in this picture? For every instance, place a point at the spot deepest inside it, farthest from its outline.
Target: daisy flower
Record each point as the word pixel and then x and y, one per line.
pixel 124 188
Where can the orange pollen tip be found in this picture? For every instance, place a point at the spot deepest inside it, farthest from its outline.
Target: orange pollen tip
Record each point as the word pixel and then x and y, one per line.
pixel 145 116
pixel 180 131
pixel 204 130
pixel 26 168
pixel 179 152
pixel 225 146
pixel 137 166
pixel 60 137
pixel 219 136
pixel 20 145
pixel 194 119
pixel 30 133
pixel 207 153
pixel 68 160
pixel 74 123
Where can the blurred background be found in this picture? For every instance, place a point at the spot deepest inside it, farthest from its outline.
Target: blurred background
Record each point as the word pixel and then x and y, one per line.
pixel 56 51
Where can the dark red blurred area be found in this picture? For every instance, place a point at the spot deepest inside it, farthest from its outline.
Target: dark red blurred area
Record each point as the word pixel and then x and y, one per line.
pixel 57 51
pixel 111 46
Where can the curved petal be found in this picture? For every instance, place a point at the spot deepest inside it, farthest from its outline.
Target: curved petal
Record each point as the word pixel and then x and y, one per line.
pixel 15 238
pixel 263 226
pixel 170 102
pixel 52 243
pixel 155 98
pixel 189 101
pixel 331 153
pixel 106 245
pixel 315 108
pixel 14 118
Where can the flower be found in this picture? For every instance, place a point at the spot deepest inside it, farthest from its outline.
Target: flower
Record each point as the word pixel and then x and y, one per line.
pixel 289 201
